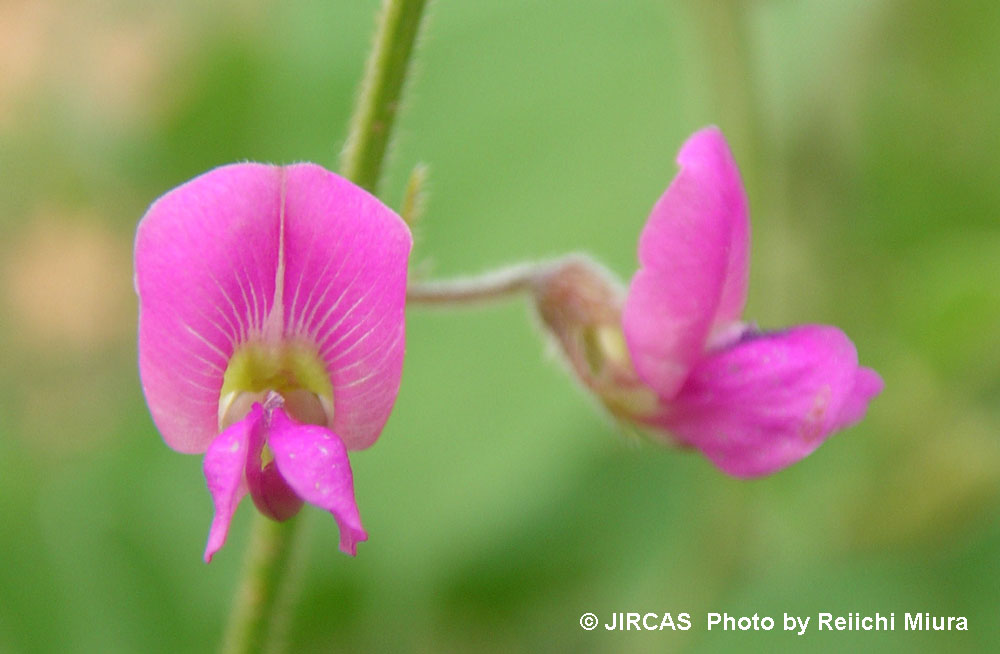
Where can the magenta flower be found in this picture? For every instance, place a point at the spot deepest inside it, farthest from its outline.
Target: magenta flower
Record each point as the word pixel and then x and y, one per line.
pixel 271 333
pixel 751 402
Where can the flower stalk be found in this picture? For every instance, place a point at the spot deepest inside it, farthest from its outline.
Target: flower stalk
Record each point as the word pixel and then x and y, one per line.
pixel 252 624
pixel 255 624
pixel 487 287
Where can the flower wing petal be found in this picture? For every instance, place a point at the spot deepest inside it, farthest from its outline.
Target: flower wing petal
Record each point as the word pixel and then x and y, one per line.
pixel 772 399
pixel 693 265
pixel 313 461
pixel 344 290
pixel 224 466
pixel 205 260
pixel 867 384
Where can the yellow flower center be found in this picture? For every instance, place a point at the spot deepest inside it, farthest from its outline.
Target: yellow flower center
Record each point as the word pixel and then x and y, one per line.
pixel 294 370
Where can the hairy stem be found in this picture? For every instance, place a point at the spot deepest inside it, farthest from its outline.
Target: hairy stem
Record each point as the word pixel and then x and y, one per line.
pixel 487 287
pixel 381 90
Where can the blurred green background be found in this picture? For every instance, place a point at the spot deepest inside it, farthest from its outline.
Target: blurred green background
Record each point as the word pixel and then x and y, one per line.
pixel 500 503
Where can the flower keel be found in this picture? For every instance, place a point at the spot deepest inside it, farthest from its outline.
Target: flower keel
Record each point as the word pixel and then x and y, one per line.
pixel 309 463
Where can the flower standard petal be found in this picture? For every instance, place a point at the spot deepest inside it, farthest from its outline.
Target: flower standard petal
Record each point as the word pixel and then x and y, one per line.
pixel 770 400
pixel 344 290
pixel 708 152
pixel 205 260
pixel 224 465
pixel 313 460
pixel 693 265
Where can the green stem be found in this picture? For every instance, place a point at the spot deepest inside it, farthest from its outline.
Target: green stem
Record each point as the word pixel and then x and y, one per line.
pixel 732 75
pixel 250 623
pixel 381 89
pixel 269 582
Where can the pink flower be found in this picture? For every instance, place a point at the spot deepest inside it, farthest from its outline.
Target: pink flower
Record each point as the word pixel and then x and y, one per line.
pixel 271 333
pixel 752 402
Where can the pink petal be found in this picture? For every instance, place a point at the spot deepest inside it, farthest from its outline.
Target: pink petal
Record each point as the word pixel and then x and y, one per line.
pixel 205 259
pixel 693 265
pixel 224 464
pixel 313 460
pixel 708 149
pixel 867 384
pixel 253 252
pixel 344 290
pixel 772 399
pixel 268 489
